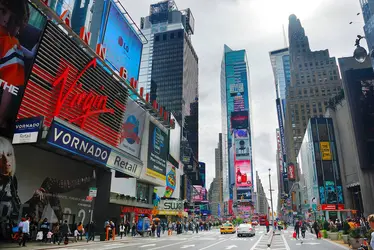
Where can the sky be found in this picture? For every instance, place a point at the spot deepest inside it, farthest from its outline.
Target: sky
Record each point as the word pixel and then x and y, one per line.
pixel 256 25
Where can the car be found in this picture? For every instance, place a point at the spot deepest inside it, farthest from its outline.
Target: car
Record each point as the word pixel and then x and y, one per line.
pixel 227 228
pixel 254 223
pixel 246 230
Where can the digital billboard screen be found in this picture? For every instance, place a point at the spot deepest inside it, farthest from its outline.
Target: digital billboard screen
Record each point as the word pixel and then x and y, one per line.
pixel 18 49
pixel 175 140
pixel 124 47
pixel 243 174
pixel 239 119
pixel 244 195
pixel 242 145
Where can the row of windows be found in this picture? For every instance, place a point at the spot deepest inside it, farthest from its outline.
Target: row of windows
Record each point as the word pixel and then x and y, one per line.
pixel 315 91
pixel 168 36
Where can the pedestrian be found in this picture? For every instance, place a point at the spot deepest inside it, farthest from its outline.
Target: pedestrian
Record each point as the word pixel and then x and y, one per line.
pixel 76 235
pixel 170 228
pixel 370 221
pixel 316 228
pixel 64 232
pixel 158 229
pixel 133 229
pixel 197 227
pixel 91 231
pixel 303 228
pixel 49 237
pixel 163 227
pixel 55 232
pixel 44 227
pixel 297 229
pixel 267 226
pixel 25 231
pixel 80 229
pixel 122 230
pixel 153 229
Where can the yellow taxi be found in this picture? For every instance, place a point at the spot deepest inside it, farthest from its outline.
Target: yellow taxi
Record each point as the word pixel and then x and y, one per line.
pixel 227 228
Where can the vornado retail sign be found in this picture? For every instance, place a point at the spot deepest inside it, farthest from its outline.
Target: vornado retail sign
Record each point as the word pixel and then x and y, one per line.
pixel 171 205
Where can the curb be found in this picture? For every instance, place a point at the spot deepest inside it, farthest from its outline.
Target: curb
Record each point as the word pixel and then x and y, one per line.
pixel 270 239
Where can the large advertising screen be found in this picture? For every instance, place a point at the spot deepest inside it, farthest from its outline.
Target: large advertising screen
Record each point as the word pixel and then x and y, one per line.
pixel 239 120
pixel 157 152
pixel 243 174
pixel 175 140
pixel 242 144
pixel 199 193
pixel 20 31
pixel 124 47
pixel 244 195
pixel 202 173
pixel 132 128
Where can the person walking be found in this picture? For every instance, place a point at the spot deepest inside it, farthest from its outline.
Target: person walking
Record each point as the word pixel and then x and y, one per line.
pixel 303 228
pixel 80 230
pixel 159 229
pixel 56 233
pixel 197 227
pixel 25 231
pixel 91 231
pixel 297 229
pixel 44 227
pixel 267 226
pixel 122 230
pixel 316 228
pixel 64 231
pixel 133 229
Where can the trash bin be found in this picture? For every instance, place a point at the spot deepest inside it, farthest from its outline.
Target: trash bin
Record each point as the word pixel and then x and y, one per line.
pixel 102 236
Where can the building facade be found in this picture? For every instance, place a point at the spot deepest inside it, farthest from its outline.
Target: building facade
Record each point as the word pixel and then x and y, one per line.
pixel 314 80
pixel 319 163
pixel 236 126
pixel 367 7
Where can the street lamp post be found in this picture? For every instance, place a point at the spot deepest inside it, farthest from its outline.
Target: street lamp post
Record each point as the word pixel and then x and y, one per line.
pixel 271 198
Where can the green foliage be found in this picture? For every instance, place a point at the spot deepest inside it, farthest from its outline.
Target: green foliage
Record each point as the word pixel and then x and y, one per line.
pixel 334 230
pixel 346 227
pixel 355 233
pixel 324 234
pixel 368 234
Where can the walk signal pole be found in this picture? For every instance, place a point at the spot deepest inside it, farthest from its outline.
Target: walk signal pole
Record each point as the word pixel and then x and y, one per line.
pixel 271 198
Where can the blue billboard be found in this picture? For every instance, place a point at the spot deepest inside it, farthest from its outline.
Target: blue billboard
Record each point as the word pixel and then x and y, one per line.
pixel 124 47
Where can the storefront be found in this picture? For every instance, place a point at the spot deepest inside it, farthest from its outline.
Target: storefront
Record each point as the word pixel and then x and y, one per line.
pixel 132 214
pixel 171 210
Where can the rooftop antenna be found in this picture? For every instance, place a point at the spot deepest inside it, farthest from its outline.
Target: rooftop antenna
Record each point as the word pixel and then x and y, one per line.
pixel 285 37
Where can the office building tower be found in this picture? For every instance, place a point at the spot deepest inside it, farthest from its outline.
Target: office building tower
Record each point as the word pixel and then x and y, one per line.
pixel 216 189
pixel 367 7
pixel 314 80
pixel 236 125
pixel 262 204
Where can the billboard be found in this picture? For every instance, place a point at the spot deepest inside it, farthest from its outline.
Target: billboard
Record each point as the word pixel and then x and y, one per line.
pixel 243 174
pixel 291 171
pixel 202 170
pixel 124 47
pixel 80 92
pixel 236 88
pixel 199 193
pixel 175 140
pixel 171 180
pixel 244 195
pixel 239 103
pixel 132 128
pixel 325 151
pixel 157 152
pixel 27 130
pixel 239 120
pixel 242 144
pixel 281 130
pixel 18 47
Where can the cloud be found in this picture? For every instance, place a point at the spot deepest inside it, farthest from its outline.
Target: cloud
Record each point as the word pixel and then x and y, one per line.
pixel 257 26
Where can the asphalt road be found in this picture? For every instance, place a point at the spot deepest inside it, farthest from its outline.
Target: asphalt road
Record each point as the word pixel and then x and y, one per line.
pixel 211 240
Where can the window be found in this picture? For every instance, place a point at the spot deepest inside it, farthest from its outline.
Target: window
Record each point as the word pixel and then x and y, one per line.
pixel 172 36
pixel 142 191
pixel 322 132
pixel 164 37
pixel 157 38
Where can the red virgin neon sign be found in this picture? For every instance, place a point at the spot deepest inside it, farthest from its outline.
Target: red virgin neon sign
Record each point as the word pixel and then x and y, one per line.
pixel 90 103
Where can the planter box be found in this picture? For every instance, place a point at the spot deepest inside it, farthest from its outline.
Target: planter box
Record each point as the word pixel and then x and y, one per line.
pixel 355 243
pixel 333 236
pixel 345 238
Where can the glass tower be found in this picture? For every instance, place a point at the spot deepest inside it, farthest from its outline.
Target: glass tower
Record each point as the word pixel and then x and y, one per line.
pixel 236 126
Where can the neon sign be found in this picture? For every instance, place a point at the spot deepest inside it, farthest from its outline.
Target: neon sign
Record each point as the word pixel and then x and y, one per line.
pixel 89 102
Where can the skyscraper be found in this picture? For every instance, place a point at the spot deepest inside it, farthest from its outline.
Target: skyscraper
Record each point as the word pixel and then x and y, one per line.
pixel 367 7
pixel 169 69
pixel 262 204
pixel 314 80
pixel 236 127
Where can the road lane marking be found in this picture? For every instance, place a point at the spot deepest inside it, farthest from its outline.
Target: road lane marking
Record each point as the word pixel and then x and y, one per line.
pixel 171 244
pixel 285 243
pixel 149 245
pixel 187 246
pixel 232 246
pixel 219 242
pixel 255 245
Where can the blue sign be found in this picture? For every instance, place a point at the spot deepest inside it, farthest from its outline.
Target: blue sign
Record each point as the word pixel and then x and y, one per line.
pixel 124 47
pixel 219 210
pixel 67 139
pixel 27 130
pixel 281 132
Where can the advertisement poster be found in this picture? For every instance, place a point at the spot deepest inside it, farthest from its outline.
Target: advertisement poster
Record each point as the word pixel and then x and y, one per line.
pixel 244 195
pixel 171 178
pixel 29 186
pixel 239 120
pixel 326 151
pixel 202 170
pixel 242 145
pixel 27 130
pixel 243 173
pixel 157 152
pixel 291 171
pixel 239 103
pixel 199 193
pixel 124 45
pixel 175 140
pixel 16 57
pixel 132 128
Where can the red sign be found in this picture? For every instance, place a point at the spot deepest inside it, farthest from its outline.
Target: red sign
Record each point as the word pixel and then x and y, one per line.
pixel 329 207
pixel 231 212
pixel 291 171
pixel 67 83
pixel 135 210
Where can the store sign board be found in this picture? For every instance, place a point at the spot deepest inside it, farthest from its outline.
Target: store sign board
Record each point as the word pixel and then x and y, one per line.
pixel 329 207
pixel 92 192
pixel 326 151
pixel 175 205
pixel 122 164
pixel 27 130
pixel 67 139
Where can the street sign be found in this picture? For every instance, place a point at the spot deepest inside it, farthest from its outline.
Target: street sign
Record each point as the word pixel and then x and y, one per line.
pixel 92 192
